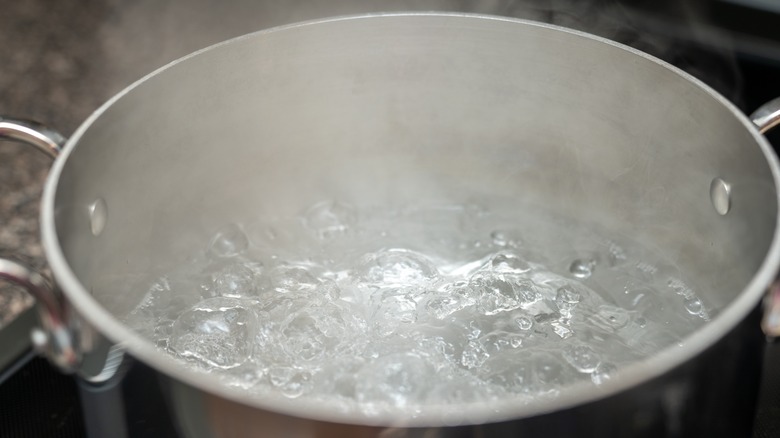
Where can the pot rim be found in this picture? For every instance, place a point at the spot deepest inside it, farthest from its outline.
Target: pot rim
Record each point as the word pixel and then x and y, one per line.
pixel 435 415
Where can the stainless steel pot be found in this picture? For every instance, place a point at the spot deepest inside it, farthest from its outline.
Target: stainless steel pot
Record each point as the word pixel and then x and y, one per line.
pixel 386 109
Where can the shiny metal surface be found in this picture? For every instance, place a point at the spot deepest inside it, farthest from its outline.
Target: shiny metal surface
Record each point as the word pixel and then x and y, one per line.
pixel 767 116
pixel 55 338
pixel 443 108
pixel 720 194
pixel 62 337
pixel 46 140
pixel 770 323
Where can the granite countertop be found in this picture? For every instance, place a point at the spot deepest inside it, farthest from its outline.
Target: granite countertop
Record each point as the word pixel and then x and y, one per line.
pixel 43 67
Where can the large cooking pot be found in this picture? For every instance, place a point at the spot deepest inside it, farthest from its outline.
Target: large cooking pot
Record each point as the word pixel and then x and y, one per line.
pixel 391 108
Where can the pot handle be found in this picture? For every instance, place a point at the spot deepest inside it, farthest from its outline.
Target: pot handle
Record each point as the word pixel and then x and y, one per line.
pixel 55 337
pixel 46 140
pixel 767 117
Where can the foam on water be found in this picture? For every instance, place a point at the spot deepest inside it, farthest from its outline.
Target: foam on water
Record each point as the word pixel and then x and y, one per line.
pixel 379 311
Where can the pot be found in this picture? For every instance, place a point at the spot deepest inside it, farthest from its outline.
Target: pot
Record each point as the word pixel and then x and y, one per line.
pixel 391 108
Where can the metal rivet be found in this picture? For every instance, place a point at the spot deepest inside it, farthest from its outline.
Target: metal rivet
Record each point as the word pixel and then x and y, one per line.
pixel 720 194
pixel 39 340
pixel 98 215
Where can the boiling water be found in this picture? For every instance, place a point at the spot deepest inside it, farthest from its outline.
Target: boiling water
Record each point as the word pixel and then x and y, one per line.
pixel 378 310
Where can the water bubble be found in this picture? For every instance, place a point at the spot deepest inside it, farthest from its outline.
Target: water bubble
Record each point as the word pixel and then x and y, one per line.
pixel 497 293
pixel 566 298
pixel 693 305
pixel 165 300
pixel 338 377
pixel 497 341
pixel 279 306
pixel 474 355
pixel 512 376
pixel 393 307
pixel 458 389
pixel 398 380
pixel 499 238
pixel 610 317
pixel 524 323
pixel 543 311
pixel 304 339
pixel 550 370
pixel 639 298
pixel 396 313
pixel 562 330
pixel 567 294
pixel 229 241
pixel 291 382
pixel 508 262
pixel 680 288
pixel 449 299
pixel 266 338
pixel 604 372
pixel 216 332
pixel 617 255
pixel 235 280
pixel 582 268
pixel 436 344
pixel 474 330
pixel 314 332
pixel 330 219
pixel 582 358
pixel 647 268
pixel 291 279
pixel 397 267
pixel 244 377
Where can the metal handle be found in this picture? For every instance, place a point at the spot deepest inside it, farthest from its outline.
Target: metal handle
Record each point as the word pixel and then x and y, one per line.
pixel 55 338
pixel 766 117
pixel 64 338
pixel 46 140
pixel 770 322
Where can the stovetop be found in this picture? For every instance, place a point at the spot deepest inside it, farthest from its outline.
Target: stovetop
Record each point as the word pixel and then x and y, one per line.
pixel 60 60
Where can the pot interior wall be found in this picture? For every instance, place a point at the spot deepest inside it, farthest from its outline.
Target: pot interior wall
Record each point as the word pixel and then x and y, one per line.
pixel 393 110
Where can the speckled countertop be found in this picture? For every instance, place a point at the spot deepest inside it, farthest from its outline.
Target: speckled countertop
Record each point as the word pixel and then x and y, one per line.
pixel 46 73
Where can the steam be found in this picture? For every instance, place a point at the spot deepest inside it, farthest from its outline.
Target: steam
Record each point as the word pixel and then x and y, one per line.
pixel 146 34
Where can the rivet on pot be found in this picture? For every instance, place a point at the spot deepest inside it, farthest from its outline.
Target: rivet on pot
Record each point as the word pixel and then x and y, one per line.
pixel 720 194
pixel 98 214
pixel 39 340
